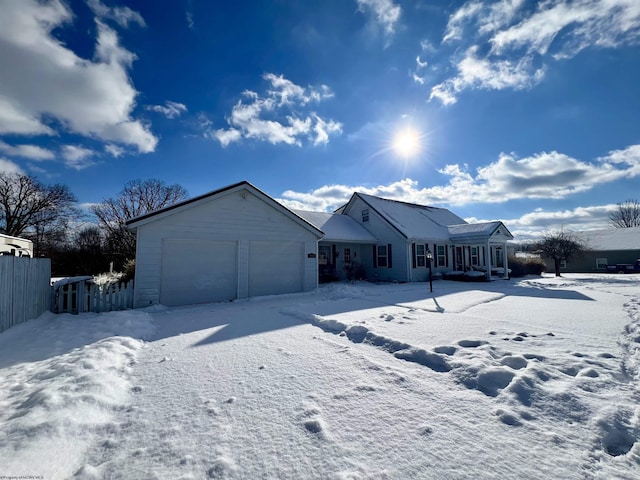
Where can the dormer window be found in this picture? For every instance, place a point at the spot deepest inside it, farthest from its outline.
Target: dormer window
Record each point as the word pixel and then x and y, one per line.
pixel 365 215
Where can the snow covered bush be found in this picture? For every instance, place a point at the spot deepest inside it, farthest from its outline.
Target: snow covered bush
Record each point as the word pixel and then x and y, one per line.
pixel 355 271
pixel 521 267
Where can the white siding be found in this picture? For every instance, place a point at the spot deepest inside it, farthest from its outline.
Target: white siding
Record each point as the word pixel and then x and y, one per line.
pixel 385 234
pixel 235 216
pixel 209 274
pixel 275 267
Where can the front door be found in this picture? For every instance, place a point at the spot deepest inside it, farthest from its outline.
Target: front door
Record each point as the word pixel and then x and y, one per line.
pixel 325 263
pixel 459 259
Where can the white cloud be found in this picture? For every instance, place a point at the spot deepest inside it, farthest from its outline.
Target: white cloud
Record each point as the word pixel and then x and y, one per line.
pixel 14 119
pixel 275 117
pixel 113 150
pixel 459 19
pixel 534 224
pixel 547 175
pixel 123 16
pixel 508 46
pixel 482 73
pixel 418 79
pixel 323 129
pixel 77 157
pixel 7 166
pixel 386 13
pixel 225 137
pixel 629 156
pixel 169 109
pixel 43 78
pixel 32 152
pixel 499 15
pixel 586 23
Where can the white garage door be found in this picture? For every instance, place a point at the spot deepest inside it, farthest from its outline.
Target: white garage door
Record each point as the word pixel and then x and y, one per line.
pixel 198 271
pixel 275 267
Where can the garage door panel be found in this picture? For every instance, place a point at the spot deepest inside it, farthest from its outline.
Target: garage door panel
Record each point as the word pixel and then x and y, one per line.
pixel 198 271
pixel 275 267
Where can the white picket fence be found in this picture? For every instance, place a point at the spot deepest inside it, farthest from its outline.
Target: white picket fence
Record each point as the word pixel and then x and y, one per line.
pixel 79 295
pixel 24 289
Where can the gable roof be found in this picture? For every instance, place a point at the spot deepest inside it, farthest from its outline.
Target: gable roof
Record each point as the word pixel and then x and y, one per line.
pixel 134 223
pixel 337 228
pixel 412 221
pixel 612 239
pixel 469 232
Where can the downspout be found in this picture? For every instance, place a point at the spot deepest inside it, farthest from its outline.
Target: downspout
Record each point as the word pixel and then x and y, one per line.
pixel 409 261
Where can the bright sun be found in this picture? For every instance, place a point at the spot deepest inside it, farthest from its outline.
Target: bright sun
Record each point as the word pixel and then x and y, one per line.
pixel 406 142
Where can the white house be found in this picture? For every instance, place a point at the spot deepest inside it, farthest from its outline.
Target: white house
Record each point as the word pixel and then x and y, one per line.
pixel 20 247
pixel 392 240
pixel 235 242
pixel 238 242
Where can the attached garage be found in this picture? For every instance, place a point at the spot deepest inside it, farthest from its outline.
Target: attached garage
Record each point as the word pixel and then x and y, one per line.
pixel 213 278
pixel 289 275
pixel 235 242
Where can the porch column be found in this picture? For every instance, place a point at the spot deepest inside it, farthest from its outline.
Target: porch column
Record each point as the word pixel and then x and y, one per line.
pixel 504 259
pixel 487 260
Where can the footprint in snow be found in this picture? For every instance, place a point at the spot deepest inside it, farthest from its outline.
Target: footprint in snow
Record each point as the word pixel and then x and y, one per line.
pixel 445 349
pixel 515 362
pixel 471 343
pixel 223 467
pixel 508 418
pixel 313 425
pixel 617 434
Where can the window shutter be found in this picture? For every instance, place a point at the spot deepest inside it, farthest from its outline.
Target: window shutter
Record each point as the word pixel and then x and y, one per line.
pixel 446 255
pixel 375 256
pixel 389 262
pixel 413 254
pixel 483 257
pixel 435 255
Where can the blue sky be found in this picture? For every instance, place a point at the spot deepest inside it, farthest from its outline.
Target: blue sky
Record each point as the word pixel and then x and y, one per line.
pixel 522 111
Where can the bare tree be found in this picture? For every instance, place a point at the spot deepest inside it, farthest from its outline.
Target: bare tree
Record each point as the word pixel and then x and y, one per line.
pixel 137 198
pixel 560 246
pixel 90 240
pixel 626 215
pixel 33 210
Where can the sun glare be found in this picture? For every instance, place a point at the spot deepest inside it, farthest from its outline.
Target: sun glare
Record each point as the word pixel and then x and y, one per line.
pixel 406 142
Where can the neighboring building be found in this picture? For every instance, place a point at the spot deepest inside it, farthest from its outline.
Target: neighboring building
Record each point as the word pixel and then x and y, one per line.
pixel 19 247
pixel 238 242
pixel 235 242
pixel 603 247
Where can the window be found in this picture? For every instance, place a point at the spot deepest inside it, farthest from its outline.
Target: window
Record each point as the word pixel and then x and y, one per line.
pixel 563 264
pixel 601 263
pixel 475 256
pixel 382 256
pixel 347 256
pixel 365 215
pixel 441 256
pixel 323 255
pixel 420 256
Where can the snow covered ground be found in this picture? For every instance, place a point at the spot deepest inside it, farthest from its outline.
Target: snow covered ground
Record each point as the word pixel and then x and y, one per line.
pixel 536 378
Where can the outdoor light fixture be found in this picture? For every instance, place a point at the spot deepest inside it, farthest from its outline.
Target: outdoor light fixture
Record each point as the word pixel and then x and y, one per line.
pixel 430 257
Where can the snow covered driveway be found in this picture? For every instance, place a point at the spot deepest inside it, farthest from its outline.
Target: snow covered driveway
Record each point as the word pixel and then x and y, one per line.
pixel 535 378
